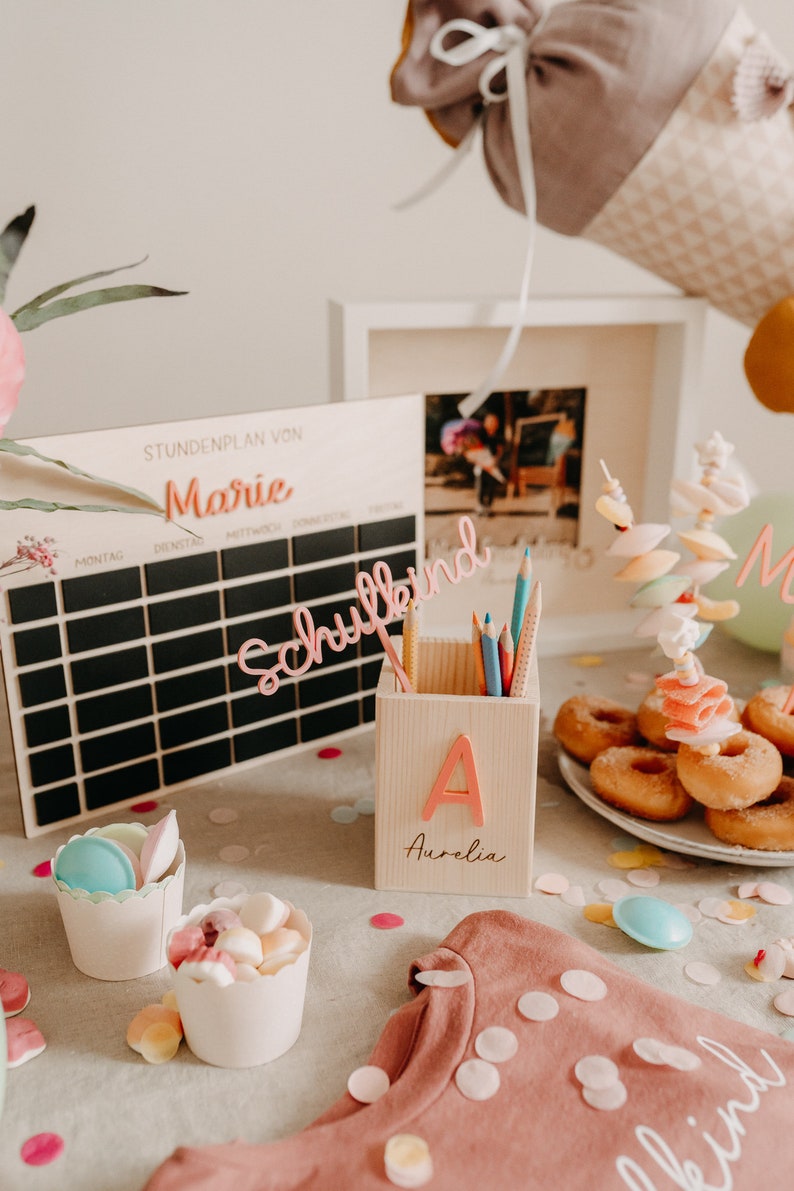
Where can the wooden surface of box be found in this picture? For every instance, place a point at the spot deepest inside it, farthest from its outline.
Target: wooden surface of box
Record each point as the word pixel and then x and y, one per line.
pixel 456 780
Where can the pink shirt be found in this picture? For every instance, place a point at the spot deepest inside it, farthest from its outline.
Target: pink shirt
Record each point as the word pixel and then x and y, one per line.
pixel 720 1119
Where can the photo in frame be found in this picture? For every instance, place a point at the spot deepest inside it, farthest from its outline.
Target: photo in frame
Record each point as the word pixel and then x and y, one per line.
pixel 629 367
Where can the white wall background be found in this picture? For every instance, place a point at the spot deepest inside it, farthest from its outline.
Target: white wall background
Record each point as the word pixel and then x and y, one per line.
pixel 252 150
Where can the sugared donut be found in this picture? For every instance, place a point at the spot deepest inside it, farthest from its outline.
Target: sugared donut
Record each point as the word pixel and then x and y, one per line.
pixel 764 715
pixel 745 770
pixel 585 725
pixel 652 721
pixel 767 826
pixel 641 781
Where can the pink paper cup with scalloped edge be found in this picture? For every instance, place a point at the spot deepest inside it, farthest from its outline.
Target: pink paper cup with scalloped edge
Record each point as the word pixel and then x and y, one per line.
pixel 122 936
pixel 244 1024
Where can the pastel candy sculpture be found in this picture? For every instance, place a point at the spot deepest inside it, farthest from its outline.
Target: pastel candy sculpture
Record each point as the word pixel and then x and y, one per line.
pixel 661 129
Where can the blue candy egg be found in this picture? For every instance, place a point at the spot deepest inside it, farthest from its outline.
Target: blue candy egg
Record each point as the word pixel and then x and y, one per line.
pixel 652 922
pixel 94 864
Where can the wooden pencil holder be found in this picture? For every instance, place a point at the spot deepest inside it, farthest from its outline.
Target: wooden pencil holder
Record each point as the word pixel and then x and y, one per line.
pixel 456 780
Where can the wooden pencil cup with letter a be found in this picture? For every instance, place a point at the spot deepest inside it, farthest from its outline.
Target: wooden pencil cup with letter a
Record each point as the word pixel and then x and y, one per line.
pixel 456 780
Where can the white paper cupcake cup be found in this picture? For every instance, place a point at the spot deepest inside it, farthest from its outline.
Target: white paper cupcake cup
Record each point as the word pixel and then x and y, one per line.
pixel 244 1024
pixel 122 936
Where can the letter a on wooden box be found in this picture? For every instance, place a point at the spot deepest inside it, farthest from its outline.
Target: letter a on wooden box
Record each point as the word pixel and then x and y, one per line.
pixel 456 779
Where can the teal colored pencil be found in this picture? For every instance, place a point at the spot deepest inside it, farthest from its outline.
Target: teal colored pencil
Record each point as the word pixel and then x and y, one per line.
pixel 490 657
pixel 521 596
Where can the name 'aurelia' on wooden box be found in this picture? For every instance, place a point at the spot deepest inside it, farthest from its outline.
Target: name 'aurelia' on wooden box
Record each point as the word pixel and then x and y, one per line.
pixel 456 779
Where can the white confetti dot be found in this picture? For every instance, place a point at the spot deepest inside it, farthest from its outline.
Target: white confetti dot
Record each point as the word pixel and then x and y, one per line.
pixel 538 1006
pixel 365 806
pixel 702 973
pixel 552 883
pixel 234 853
pixel 496 1044
pixel 596 1071
pixel 648 1050
pixel 583 985
pixel 606 1099
pixel 223 814
pixel 407 1161
pixel 344 814
pixel 713 907
pixel 678 1057
pixel 774 895
pixel 477 1080
pixel 784 1003
pixel 772 962
pixel 228 889
pixel 438 978
pixel 661 1054
pixel 689 911
pixel 643 878
pixel 612 889
pixel 368 1084
pixel 574 896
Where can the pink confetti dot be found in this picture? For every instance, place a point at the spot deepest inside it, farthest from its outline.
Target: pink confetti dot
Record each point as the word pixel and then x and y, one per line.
pixel 141 808
pixel 44 869
pixel 386 921
pixel 327 754
pixel 41 1149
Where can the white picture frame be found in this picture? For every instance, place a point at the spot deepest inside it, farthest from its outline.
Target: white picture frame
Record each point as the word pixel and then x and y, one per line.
pixel 639 359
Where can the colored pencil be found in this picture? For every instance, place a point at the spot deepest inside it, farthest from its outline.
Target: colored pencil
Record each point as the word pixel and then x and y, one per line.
pixel 521 595
pixel 411 645
pixel 526 644
pixel 490 657
pixel 476 642
pixel 506 658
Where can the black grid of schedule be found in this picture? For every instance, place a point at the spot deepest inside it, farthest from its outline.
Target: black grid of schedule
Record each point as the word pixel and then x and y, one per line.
pixel 125 682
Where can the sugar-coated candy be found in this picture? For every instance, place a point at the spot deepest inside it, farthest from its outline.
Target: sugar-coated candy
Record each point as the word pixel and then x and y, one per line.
pixel 206 963
pixel 150 1016
pixel 280 947
pixel 159 848
pixel 215 922
pixel 94 864
pixel 242 944
pixel 183 942
pixel 14 992
pixel 160 1042
pixel 24 1040
pixel 263 913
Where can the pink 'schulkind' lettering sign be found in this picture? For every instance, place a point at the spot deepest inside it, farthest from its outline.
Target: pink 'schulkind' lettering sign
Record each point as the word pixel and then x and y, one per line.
pixel 382 601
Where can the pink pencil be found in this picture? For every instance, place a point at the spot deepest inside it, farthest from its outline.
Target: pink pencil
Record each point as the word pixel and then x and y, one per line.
pixel 506 657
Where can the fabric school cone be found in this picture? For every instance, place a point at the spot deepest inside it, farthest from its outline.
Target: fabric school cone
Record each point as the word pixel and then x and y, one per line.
pixel 660 129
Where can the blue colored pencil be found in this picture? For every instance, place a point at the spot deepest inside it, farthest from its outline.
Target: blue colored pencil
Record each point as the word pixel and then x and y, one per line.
pixel 521 595
pixel 490 657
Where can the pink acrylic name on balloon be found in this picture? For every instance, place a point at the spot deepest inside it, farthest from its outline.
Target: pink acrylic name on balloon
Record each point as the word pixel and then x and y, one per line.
pixel 374 591
pixel 762 550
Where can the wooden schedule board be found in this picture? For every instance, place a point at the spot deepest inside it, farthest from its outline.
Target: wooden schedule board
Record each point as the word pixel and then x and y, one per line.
pixel 121 670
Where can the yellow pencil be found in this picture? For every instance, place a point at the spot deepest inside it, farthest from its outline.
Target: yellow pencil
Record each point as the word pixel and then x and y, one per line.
pixel 526 644
pixel 411 645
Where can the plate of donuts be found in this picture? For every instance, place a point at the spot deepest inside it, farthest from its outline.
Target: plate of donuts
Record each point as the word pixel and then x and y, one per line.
pixel 690 836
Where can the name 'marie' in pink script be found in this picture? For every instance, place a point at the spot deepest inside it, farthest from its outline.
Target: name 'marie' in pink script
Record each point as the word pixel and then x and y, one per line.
pixel 382 601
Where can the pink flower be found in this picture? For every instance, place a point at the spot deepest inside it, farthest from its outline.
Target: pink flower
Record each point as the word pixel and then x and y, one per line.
pixel 12 368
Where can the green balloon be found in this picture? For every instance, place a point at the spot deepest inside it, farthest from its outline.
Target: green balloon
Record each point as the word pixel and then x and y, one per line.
pixel 764 616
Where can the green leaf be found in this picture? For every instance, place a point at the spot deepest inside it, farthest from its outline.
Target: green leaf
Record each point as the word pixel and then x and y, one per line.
pixel 59 289
pixel 23 449
pixel 28 317
pixel 52 506
pixel 11 240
